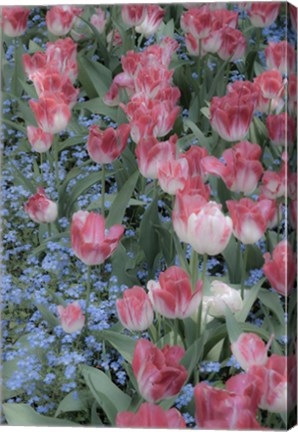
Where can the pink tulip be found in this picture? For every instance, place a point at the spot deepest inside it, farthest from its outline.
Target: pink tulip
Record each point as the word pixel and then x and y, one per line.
pixel 271 90
pixel 250 218
pixel 34 63
pixel 151 416
pixel 158 372
pixel 89 241
pixel 60 19
pixel 281 129
pixel 99 20
pixel 245 384
pixel 197 22
pixel 249 350
pixel 273 214
pixel 39 140
pixel 274 183
pixel 263 14
pixel 242 169
pixel 172 175
pixel 62 55
pixel 193 46
pixel 247 90
pixel 188 201
pixel 194 156
pixel 106 146
pixel 219 409
pixel 153 18
pixel 280 270
pixel 233 44
pixel 150 80
pixel 71 317
pixel 231 116
pixel 172 295
pixel 209 231
pixel 135 310
pixel 151 153
pixel 112 97
pixel 51 112
pixel 14 20
pixel 133 14
pixel 281 56
pixel 40 208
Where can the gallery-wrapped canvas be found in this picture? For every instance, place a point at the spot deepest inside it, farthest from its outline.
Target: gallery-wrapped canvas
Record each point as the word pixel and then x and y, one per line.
pixel 149 213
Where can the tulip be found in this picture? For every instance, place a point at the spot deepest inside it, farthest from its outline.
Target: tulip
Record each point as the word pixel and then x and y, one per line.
pixel 281 129
pixel 40 140
pixel 249 350
pixel 62 55
pixel 242 168
pixel 248 91
pixel 14 20
pixel 231 116
pixel 233 44
pixel 51 112
pixel 133 15
pixel 115 38
pixel 193 46
pixel 281 56
pixel 112 98
pixel 223 295
pixel 263 14
pixel 280 270
pixel 172 295
pixel 292 94
pixel 60 19
pixel 172 175
pixel 89 240
pixel 105 146
pixel 197 22
pixel 209 231
pixel 71 317
pixel 276 211
pixel 274 183
pixel 249 218
pixel 246 384
pixel 150 81
pixel 219 409
pixel 194 156
pixel 271 91
pixel 34 63
pixel 158 372
pixel 151 153
pixel 153 18
pixel 98 20
pixel 40 208
pixel 151 416
pixel 135 310
pixel 188 201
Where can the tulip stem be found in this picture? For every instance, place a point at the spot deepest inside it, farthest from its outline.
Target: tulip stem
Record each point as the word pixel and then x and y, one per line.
pixel 40 168
pixel 245 254
pixel 88 294
pixel 194 268
pixel 175 331
pixel 103 189
pixel 205 259
pixel 200 310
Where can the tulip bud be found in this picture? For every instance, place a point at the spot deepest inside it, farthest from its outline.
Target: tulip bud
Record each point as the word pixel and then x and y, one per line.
pixel 40 140
pixel 153 18
pixel 249 350
pixel 72 318
pixel 135 310
pixel 14 20
pixel 223 295
pixel 60 19
pixel 40 208
pixel 133 15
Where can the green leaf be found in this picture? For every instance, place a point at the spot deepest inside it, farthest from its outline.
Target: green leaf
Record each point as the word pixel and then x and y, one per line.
pixel 109 397
pixel 97 106
pixel 15 125
pixel 82 186
pixel 20 178
pixel 125 345
pixel 272 302
pixel 121 201
pixel 25 112
pixel 77 400
pixel 47 315
pixel 149 240
pixel 203 141
pixel 43 246
pixel 232 257
pixel 254 257
pixel 71 142
pixel 249 301
pixel 194 354
pixel 24 415
pixel 234 331
pixel 96 75
pixel 29 89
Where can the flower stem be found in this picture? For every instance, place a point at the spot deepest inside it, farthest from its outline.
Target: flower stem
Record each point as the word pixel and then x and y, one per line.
pixel 88 294
pixel 245 254
pixel 194 268
pixel 103 189
pixel 175 331
pixel 200 310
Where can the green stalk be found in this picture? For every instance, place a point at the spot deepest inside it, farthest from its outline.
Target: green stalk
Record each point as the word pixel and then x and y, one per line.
pixel 40 168
pixel 200 311
pixel 193 268
pixel 175 331
pixel 88 294
pixel 103 188
pixel 243 271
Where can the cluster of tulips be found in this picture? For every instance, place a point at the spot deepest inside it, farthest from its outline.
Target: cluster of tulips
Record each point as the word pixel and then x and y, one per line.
pixel 146 93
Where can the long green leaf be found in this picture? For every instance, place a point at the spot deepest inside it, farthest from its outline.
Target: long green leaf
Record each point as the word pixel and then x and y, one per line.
pixel 249 301
pixel 24 415
pixel 121 201
pixel 77 400
pixel 81 187
pixel 97 106
pixel 125 345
